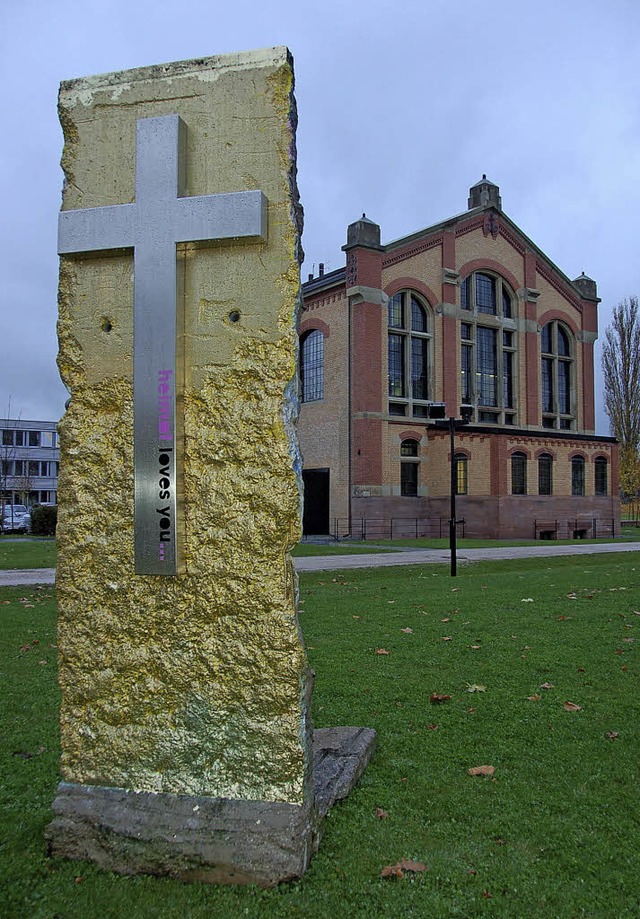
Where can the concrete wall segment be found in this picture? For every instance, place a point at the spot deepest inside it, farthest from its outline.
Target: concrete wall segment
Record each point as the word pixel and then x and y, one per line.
pixel 196 684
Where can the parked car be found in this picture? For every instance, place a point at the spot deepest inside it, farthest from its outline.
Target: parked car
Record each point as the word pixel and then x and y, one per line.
pixel 16 518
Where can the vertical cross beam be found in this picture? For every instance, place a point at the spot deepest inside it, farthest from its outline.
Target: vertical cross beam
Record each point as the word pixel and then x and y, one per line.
pixel 161 217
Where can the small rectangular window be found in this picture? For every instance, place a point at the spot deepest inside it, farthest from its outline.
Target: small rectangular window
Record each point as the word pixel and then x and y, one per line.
pixel 34 438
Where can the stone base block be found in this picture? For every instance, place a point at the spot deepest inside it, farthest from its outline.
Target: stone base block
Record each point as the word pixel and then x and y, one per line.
pixel 212 840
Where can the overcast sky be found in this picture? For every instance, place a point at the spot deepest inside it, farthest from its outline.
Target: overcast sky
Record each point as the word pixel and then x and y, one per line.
pixel 403 104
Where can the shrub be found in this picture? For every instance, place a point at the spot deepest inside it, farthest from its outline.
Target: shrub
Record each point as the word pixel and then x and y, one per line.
pixel 43 520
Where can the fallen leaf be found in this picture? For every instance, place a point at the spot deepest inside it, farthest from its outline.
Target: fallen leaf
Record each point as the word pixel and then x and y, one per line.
pixel 398 871
pixel 534 698
pixel 432 727
pixel 612 735
pixel 476 687
pixel 571 707
pixel 447 619
pixel 447 638
pixel 454 589
pixel 382 651
pixel 435 698
pixel 487 895
pixel 547 686
pixel 628 639
pixel 381 814
pixel 481 770
pixel 407 631
pixel 475 647
pixel 564 618
pixel 470 711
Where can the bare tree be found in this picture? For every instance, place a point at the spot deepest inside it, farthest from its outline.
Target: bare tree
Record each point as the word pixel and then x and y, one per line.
pixel 621 369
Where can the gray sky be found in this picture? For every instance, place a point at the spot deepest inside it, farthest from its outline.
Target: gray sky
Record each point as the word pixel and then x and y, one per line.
pixel 403 104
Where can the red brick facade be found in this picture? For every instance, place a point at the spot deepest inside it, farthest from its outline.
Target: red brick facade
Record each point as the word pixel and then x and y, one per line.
pixel 481 316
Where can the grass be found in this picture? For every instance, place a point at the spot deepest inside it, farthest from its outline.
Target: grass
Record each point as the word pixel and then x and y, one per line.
pixel 552 834
pixel 27 552
pixel 305 549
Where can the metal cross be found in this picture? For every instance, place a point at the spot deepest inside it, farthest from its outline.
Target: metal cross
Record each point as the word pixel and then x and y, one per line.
pixel 160 218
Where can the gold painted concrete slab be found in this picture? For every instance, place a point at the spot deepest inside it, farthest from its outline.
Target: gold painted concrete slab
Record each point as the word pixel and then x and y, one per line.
pixel 196 684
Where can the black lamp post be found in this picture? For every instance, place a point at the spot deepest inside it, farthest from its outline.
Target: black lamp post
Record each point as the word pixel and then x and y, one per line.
pixel 437 411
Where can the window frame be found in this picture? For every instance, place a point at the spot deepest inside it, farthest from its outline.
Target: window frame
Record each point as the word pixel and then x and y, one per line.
pixel 600 465
pixel 578 470
pixel 312 366
pixel 409 467
pixel 545 489
pixel 557 377
pixel 519 484
pixel 489 349
pixel 461 473
pixel 402 358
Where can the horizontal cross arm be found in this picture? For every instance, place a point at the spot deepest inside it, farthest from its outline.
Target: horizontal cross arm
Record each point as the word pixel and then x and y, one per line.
pixel 93 229
pixel 225 216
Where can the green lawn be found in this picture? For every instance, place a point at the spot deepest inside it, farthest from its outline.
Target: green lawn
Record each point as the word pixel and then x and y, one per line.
pixel 553 833
pixel 27 552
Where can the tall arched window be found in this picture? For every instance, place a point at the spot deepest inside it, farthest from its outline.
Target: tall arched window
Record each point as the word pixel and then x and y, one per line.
pixel 577 475
pixel 488 348
pixel 409 355
pixel 556 344
pixel 409 466
pixel 461 473
pixel 518 473
pixel 601 476
pixel 545 474
pixel 312 366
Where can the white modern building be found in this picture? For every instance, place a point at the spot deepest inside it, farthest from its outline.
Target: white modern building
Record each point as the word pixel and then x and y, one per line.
pixel 29 462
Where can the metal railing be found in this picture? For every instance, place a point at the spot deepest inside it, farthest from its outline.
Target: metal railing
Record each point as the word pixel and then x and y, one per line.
pixel 394 528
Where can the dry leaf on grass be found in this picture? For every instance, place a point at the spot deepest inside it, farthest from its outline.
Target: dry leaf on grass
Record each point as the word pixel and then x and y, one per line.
pixel 398 871
pixel 476 687
pixel 381 814
pixel 408 631
pixel 481 770
pixel 435 698
pixel 571 707
pixel 547 686
pixel 447 638
pixel 382 651
pixel 612 735
pixel 534 698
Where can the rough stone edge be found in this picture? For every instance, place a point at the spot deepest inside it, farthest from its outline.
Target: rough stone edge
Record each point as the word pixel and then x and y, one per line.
pixel 210 840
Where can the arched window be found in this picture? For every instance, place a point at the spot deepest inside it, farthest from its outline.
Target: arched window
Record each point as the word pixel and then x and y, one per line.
pixel 545 474
pixel 461 473
pixel 409 355
pixel 409 468
pixel 601 476
pixel 486 293
pixel 556 344
pixel 488 348
pixel 518 473
pixel 577 475
pixel 312 366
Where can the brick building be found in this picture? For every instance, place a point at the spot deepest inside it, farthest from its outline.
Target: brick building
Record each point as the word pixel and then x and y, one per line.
pixel 467 313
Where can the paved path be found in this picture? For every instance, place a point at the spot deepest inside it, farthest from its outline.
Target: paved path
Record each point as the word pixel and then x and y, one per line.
pixel 406 556
pixel 435 556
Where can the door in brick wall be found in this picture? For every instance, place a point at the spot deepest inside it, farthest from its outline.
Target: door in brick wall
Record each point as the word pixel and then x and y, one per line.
pixel 315 520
